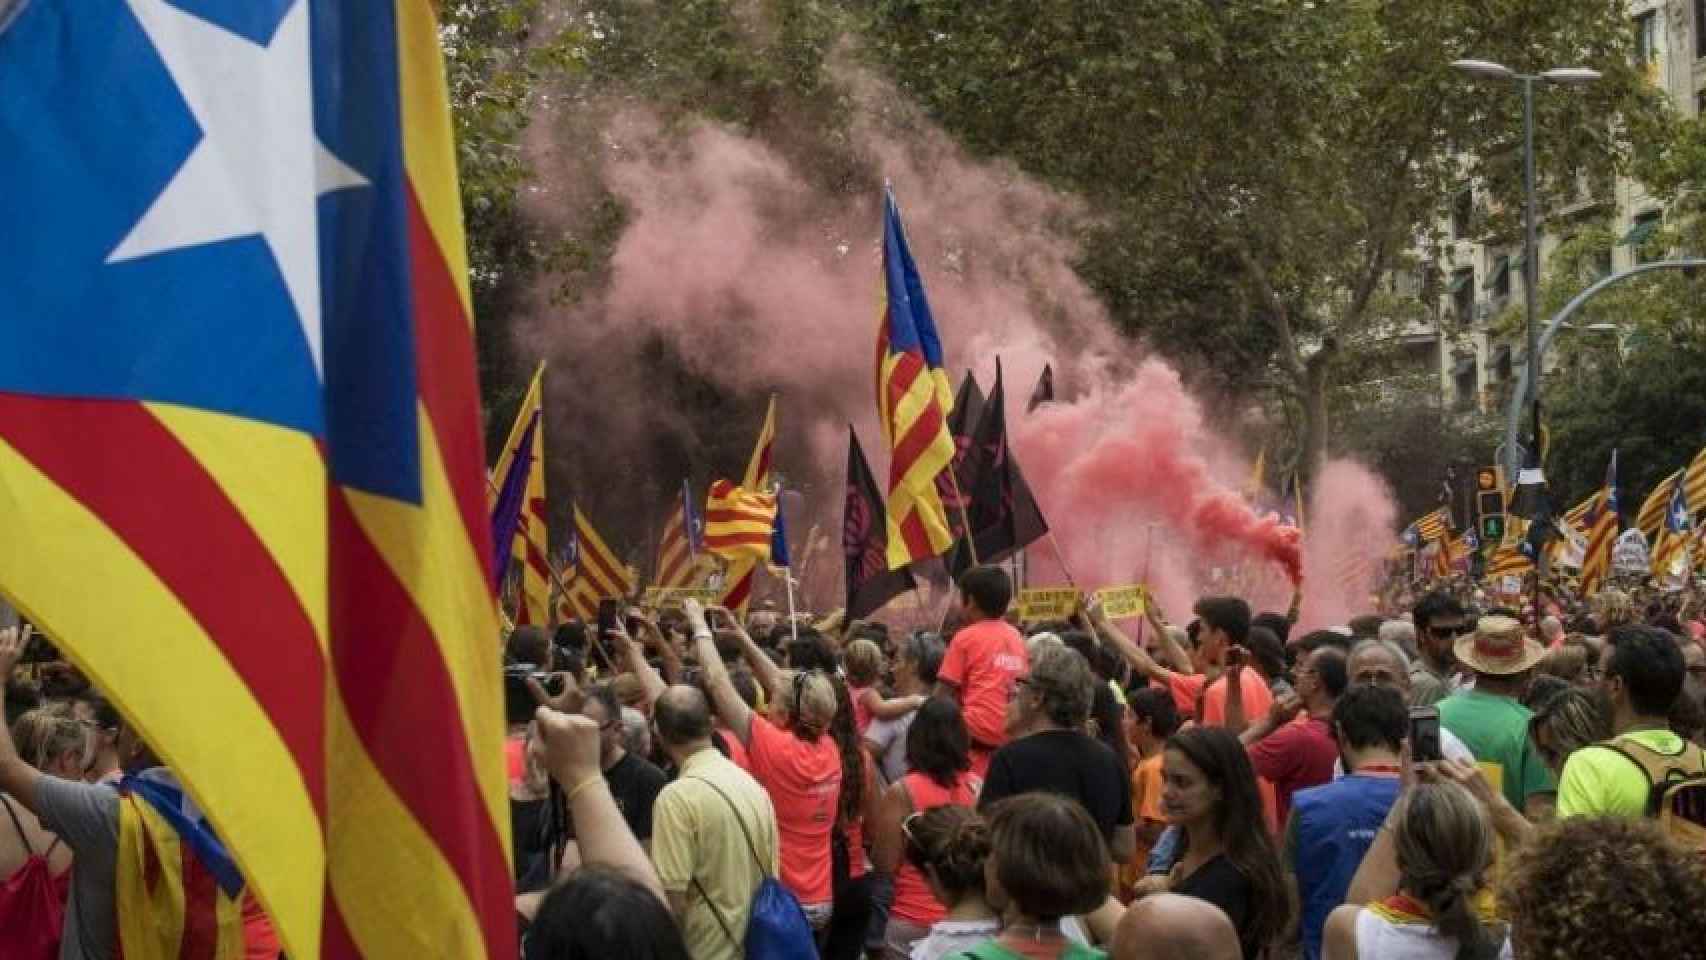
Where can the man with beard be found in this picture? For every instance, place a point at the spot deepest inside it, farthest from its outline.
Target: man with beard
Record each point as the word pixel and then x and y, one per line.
pixel 1643 677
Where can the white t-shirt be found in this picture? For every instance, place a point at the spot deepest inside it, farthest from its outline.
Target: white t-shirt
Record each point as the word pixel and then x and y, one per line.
pixel 952 937
pixel 1381 939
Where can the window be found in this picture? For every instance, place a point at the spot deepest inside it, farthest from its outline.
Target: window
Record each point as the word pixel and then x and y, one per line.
pixel 1602 263
pixel 1647 37
pixel 1462 213
pixel 1462 292
pixel 1499 284
pixel 1640 236
pixel 1463 381
pixel 1699 29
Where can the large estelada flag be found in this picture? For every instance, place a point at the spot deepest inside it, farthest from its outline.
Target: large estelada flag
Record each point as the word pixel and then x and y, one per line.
pixel 914 399
pixel 1695 482
pixel 241 473
pixel 1603 525
pixel 757 481
pixel 518 519
pixel 864 532
pixel 597 571
pixel 1675 535
pixel 1002 512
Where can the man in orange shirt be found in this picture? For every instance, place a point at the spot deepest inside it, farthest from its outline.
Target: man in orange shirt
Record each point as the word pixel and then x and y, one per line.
pixel 1223 624
pixel 984 657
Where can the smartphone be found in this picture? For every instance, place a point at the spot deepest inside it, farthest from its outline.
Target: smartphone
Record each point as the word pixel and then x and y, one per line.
pixel 1424 734
pixel 606 615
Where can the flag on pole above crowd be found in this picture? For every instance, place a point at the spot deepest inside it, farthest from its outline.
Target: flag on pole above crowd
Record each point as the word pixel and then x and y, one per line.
pixel 1431 527
pixel 1043 392
pixel 953 485
pixel 598 571
pixel 1651 519
pixel 237 380
pixel 914 399
pixel 1695 481
pixel 864 540
pixel 743 505
pixel 780 559
pixel 1671 547
pixel 679 562
pixel 518 522
pixel 1003 514
pixel 1603 526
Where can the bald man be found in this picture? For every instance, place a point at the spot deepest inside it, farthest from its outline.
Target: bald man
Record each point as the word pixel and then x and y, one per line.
pixel 1168 926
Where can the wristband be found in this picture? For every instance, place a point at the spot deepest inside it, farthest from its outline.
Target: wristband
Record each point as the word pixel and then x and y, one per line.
pixel 589 781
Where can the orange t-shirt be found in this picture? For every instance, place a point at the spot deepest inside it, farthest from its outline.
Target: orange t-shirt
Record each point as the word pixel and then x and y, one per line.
pixel 1145 805
pixel 983 661
pixel 1185 687
pixel 804 781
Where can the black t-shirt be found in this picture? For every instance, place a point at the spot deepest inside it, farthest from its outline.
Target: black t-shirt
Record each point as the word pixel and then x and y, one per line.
pixel 527 822
pixel 635 783
pixel 1220 883
pixel 1066 762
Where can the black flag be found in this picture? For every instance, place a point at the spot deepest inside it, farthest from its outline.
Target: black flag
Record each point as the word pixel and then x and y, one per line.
pixel 1002 512
pixel 865 538
pixel 954 487
pixel 1044 392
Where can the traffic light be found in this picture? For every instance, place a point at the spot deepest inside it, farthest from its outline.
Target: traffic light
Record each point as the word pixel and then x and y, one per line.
pixel 1492 528
pixel 1490 504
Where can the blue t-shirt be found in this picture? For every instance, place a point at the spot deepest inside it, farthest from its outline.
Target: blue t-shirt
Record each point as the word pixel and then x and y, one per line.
pixel 1331 828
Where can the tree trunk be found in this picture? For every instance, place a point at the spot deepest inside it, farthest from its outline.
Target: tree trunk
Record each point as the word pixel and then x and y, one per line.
pixel 1313 399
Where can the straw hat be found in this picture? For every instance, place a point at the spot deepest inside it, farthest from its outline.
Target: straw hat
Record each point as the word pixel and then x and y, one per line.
pixel 1498 648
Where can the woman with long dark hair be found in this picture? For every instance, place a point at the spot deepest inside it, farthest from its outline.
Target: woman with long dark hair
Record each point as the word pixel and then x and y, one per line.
pixel 939 762
pixel 857 810
pixel 1227 857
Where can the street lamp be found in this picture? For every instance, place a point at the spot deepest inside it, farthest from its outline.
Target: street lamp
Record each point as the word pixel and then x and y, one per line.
pixel 1488 70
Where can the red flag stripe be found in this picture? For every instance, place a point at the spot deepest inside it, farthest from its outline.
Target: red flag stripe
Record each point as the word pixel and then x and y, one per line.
pixel 201 903
pixel 369 603
pixel 161 499
pixel 920 434
pixel 449 386
pixel 600 569
pixel 916 537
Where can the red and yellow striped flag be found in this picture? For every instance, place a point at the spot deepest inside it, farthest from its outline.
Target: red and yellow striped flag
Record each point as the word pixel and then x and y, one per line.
pixel 530 551
pixel 738 582
pixel 680 564
pixel 242 478
pixel 1651 519
pixel 1695 482
pixel 1603 528
pixel 598 572
pixel 914 399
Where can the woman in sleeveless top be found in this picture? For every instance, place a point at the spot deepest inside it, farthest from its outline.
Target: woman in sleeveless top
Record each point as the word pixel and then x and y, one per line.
pixel 938 758
pixel 35 868
pixel 1443 844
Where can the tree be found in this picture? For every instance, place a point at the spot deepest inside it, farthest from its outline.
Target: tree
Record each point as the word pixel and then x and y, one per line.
pixel 1290 153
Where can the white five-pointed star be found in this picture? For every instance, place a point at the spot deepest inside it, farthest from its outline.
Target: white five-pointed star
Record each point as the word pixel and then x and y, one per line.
pixel 259 168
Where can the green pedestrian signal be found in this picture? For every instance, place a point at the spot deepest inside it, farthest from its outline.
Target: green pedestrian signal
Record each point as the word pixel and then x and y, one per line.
pixel 1492 528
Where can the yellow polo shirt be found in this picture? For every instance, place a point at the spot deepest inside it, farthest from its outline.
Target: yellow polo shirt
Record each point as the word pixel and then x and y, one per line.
pixel 695 836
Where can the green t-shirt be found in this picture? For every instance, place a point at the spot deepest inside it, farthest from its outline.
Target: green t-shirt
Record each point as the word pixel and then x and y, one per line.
pixel 990 950
pixel 1495 729
pixel 1600 782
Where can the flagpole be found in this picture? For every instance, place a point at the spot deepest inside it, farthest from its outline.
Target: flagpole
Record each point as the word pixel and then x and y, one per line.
pixel 1060 558
pixel 965 520
pixel 1148 557
pixel 793 621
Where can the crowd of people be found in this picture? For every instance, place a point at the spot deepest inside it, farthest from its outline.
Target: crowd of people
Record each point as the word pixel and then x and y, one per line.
pixel 1450 780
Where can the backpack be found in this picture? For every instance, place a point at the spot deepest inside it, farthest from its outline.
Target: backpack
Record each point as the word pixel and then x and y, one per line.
pixel 32 902
pixel 1676 794
pixel 776 926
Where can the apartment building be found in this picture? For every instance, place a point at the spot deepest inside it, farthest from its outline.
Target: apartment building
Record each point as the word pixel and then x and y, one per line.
pixel 1478 277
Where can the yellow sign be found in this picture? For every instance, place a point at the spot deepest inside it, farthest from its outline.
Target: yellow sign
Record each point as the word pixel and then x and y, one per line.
pixel 1119 603
pixel 1049 603
pixel 669 598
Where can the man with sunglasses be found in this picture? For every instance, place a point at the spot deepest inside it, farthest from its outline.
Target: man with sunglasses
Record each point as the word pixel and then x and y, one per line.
pixel 1440 620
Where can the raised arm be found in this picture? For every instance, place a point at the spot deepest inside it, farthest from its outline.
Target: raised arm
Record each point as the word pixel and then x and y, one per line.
pixel 571 753
pixel 17 778
pixel 718 686
pixel 1139 658
pixel 891 708
pixel 635 656
pixel 764 669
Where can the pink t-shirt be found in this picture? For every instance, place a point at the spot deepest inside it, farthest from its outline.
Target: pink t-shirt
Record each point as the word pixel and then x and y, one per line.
pixel 983 661
pixel 804 781
pixel 861 709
